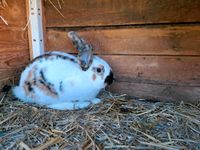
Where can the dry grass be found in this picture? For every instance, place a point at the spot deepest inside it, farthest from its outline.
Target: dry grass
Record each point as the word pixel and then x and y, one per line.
pixel 118 122
pixel 57 6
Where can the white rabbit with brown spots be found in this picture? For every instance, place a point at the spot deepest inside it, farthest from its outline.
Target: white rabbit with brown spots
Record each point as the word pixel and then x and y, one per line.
pixel 62 81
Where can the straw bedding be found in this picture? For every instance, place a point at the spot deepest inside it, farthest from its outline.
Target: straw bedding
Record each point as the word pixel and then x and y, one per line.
pixel 118 122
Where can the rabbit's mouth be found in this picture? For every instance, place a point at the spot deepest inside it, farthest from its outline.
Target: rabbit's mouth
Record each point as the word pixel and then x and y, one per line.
pixel 109 79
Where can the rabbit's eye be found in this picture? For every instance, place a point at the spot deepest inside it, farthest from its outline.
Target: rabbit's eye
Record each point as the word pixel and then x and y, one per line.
pixel 99 70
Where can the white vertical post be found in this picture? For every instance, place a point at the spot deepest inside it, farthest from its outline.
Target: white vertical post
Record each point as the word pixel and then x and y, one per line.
pixel 35 28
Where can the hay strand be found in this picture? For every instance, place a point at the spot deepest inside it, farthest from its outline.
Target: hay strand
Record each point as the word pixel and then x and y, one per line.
pixel 22 145
pixel 56 7
pixel 4 21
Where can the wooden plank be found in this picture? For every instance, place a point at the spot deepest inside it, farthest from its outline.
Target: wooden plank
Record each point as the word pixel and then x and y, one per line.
pixel 158 92
pixel 155 40
pixel 13 40
pixel 120 12
pixel 12 61
pixel 14 14
pixel 14 53
pixel 171 70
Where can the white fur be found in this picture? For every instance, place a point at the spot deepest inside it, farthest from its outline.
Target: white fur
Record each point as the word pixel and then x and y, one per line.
pixel 78 88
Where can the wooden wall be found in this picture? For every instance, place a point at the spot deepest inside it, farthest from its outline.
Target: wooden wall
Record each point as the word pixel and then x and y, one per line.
pixel 152 45
pixel 14 52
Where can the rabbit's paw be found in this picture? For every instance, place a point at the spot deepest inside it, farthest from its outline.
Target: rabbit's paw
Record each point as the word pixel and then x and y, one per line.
pixel 81 105
pixel 95 101
pixel 69 105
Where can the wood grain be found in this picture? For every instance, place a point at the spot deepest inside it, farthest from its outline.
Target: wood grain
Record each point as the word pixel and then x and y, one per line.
pixel 13 40
pixel 13 63
pixel 155 40
pixel 121 12
pixel 158 92
pixel 166 70
pixel 14 53
pixel 14 14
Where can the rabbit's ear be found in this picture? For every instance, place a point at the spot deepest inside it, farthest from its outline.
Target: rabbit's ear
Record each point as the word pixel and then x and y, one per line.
pixel 85 54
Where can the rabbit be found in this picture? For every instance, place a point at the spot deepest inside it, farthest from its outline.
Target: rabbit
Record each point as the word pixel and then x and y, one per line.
pixel 62 81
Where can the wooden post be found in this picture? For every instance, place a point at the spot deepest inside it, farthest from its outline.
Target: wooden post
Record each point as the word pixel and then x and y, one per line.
pixel 35 21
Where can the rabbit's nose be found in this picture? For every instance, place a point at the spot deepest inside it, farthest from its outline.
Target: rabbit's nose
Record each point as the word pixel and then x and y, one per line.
pixel 109 79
